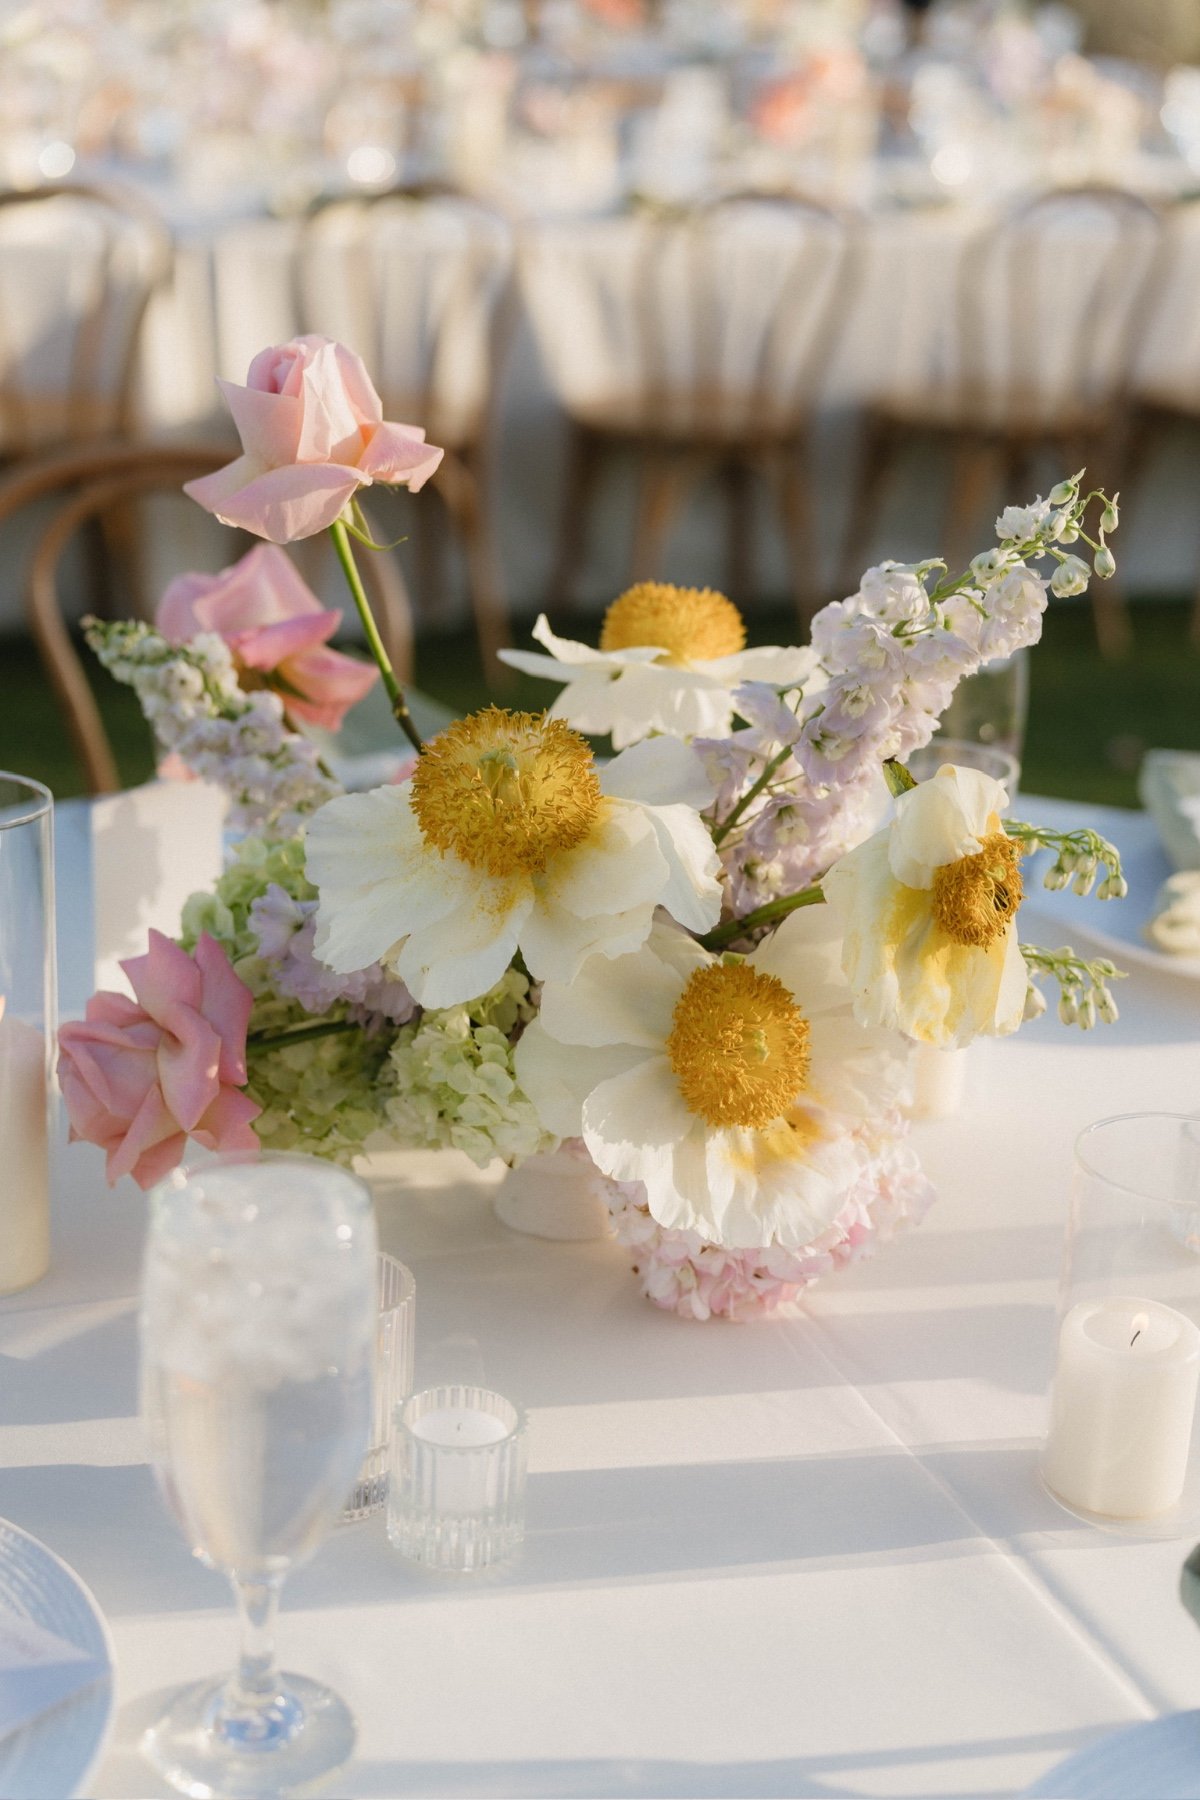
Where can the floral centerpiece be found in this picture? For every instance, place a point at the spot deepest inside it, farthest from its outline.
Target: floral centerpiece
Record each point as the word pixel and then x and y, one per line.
pixel 700 964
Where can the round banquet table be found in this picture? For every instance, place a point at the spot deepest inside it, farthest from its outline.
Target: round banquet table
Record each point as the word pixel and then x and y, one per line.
pixel 803 1557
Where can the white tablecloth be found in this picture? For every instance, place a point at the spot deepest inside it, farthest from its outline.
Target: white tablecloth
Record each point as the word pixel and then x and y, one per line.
pixel 796 1558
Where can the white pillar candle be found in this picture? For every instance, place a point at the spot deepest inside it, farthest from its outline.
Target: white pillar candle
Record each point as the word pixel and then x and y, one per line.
pixel 1122 1407
pixel 938 1078
pixel 24 1160
pixel 462 1483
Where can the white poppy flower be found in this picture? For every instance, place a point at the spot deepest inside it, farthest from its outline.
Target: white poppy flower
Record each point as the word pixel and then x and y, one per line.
pixel 928 914
pixel 507 838
pixel 729 1087
pixel 669 660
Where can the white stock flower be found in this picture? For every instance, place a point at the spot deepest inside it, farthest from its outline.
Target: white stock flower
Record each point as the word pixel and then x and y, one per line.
pixel 508 838
pixel 1022 521
pixel 928 910
pixel 669 661
pixel 730 1088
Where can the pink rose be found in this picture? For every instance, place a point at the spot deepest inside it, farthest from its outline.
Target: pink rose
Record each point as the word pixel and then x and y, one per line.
pixel 140 1077
pixel 313 433
pixel 273 622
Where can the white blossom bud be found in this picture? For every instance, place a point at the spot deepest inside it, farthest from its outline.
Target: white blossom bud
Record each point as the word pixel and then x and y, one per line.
pixel 1117 887
pixel 1104 563
pixel 1087 1011
pixel 1108 518
pixel 1035 1002
pixel 1069 533
pixel 985 566
pixel 1070 577
pixel 1063 493
pixel 1082 883
pixel 1106 1006
pixel 1068 1007
pixel 1056 877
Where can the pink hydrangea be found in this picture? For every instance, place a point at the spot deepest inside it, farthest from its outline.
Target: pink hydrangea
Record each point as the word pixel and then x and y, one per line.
pixel 682 1273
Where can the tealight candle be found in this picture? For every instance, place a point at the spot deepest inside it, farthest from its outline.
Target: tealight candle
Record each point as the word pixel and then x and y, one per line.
pixel 1122 1408
pixel 459 1425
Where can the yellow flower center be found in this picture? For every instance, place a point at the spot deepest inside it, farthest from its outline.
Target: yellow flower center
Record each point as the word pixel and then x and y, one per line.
pixel 506 791
pixel 738 1045
pixel 975 897
pixel 689 624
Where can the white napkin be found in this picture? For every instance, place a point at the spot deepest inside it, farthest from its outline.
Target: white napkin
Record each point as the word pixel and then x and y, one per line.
pixel 37 1671
pixel 152 847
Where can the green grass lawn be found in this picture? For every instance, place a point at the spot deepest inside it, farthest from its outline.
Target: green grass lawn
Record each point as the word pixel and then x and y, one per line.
pixel 1090 721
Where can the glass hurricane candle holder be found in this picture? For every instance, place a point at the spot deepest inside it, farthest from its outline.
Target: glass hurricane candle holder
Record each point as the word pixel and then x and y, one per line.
pixel 1122 1450
pixel 989 759
pixel 394 1347
pixel 456 1499
pixel 28 1023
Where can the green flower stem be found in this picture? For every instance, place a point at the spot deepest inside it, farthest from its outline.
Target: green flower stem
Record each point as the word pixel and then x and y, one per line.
pixel 721 831
pixel 770 914
pixel 303 1034
pixel 345 555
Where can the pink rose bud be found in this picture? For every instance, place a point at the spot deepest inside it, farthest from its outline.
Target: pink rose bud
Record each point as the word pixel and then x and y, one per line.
pixel 313 433
pixel 274 624
pixel 140 1077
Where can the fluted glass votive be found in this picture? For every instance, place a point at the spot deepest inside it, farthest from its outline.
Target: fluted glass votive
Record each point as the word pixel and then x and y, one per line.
pixel 456 1499
pixel 393 1382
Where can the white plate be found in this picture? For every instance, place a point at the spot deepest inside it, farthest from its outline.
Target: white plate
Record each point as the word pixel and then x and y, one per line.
pixel 53 1757
pixel 1161 1758
pixel 1114 926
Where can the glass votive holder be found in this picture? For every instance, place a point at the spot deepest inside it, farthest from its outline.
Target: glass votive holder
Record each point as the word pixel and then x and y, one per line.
pixel 1122 1450
pixel 456 1499
pixel 394 1347
pixel 989 759
pixel 28 1022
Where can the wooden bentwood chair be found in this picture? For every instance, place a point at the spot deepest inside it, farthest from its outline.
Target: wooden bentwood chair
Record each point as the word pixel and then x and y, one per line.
pixel 88 481
pixel 697 342
pixel 1049 304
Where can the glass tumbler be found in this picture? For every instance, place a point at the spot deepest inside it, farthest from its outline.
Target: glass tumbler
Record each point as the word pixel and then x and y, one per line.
pixel 393 1382
pixel 1122 1450
pixel 258 1330
pixel 28 1023
pixel 456 1500
pixel 990 759
pixel 992 706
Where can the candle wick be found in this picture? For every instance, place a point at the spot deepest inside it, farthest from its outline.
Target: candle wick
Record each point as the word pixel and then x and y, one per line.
pixel 1133 1340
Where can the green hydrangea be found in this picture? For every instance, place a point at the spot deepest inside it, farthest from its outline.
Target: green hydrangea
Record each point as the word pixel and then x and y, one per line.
pixel 453 1081
pixel 323 1097
pixel 225 912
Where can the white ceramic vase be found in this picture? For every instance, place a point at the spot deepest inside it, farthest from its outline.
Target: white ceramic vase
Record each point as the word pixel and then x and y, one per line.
pixel 559 1194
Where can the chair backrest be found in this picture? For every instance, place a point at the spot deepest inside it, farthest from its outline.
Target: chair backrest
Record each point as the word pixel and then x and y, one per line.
pixel 1050 302
pixel 718 323
pixel 78 266
pixel 90 481
pixel 1167 358
pixel 418 281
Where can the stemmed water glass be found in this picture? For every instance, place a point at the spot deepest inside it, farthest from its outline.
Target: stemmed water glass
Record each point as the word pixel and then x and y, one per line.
pixel 258 1336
